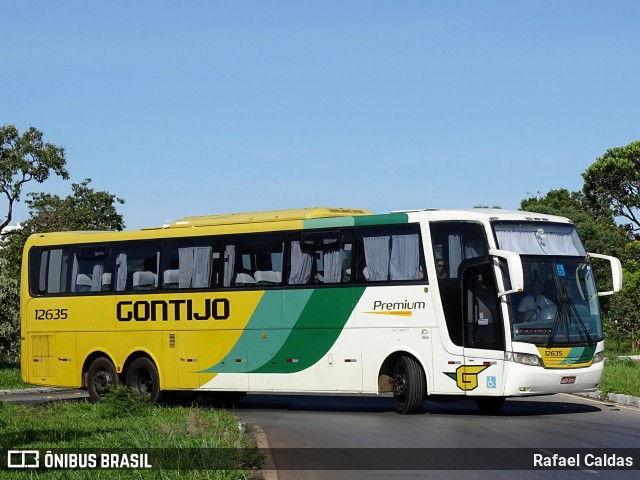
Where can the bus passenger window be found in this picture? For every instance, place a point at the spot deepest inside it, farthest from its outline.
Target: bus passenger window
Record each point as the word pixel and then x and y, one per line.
pixel 91 269
pixel 321 257
pixel 49 269
pixel 455 242
pixel 390 254
pixel 137 267
pixel 190 263
pixel 253 261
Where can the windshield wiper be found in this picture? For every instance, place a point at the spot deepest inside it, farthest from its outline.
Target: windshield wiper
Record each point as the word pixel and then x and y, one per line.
pixel 556 323
pixel 565 311
pixel 573 310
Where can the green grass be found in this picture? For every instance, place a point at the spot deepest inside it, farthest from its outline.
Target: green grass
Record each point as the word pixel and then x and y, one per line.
pixel 616 346
pixel 621 376
pixel 122 421
pixel 10 378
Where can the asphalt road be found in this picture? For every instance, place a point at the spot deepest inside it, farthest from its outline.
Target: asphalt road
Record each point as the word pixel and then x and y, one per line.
pixel 355 426
pixel 542 423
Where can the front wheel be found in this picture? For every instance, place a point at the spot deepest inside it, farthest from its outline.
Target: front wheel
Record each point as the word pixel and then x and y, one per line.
pixel 143 377
pixel 101 377
pixel 409 385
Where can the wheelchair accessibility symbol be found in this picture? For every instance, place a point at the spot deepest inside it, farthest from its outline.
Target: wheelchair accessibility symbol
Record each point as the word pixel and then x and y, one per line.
pixel 491 382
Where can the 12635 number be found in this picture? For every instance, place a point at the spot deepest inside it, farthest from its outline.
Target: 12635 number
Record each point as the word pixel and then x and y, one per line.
pixel 52 314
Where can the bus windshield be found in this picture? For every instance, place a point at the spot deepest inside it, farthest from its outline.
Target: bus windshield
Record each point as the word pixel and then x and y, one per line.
pixel 559 306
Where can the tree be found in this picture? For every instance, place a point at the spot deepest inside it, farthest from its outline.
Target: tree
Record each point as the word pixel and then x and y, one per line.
pixel 613 181
pixel 624 311
pixel 25 158
pixel 9 318
pixel 84 209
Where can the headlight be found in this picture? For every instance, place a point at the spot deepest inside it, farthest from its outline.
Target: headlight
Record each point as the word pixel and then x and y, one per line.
pixel 598 357
pixel 524 358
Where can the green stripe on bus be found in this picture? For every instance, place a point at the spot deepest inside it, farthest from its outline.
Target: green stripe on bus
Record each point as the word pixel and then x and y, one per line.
pixel 579 355
pixel 327 222
pixel 385 219
pixel 265 333
pixel 364 220
pixel 319 326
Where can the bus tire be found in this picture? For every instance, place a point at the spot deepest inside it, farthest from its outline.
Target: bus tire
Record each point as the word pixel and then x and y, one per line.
pixel 409 385
pixel 142 376
pixel 101 376
pixel 489 404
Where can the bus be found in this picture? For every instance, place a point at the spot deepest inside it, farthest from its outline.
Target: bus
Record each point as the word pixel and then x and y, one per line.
pixel 410 304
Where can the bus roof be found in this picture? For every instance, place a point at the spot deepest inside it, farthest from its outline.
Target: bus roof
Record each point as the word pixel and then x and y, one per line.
pixel 494 214
pixel 267 216
pixel 317 217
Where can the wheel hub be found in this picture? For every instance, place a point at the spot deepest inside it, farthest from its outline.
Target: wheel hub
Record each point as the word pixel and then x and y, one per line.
pixel 399 385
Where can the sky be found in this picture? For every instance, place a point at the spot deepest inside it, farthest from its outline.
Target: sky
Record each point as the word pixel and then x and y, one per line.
pixel 203 107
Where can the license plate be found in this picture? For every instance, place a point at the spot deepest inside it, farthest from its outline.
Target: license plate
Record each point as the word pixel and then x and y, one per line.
pixel 567 380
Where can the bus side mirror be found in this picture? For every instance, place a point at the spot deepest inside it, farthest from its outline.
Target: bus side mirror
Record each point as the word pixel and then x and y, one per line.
pixel 514 264
pixel 616 273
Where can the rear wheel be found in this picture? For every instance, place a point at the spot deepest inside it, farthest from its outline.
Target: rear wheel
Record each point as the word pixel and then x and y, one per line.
pixel 143 377
pixel 490 404
pixel 408 385
pixel 101 377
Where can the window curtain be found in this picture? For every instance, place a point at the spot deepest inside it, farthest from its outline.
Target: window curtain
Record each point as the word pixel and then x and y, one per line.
pixel 96 278
pixel 520 242
pixel 376 253
pixel 74 273
pixel 157 269
pixel 332 260
pixel 229 264
pixel 536 243
pixel 186 267
pixel 121 272
pixel 195 267
pixel 405 257
pixel 301 265
pixel 455 255
pixel 562 244
pixel 472 249
pixel 202 270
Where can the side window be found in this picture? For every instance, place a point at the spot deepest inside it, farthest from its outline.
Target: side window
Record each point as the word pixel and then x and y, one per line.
pixel 190 263
pixel 49 268
pixel 253 260
pixel 137 266
pixel 320 258
pixel 92 269
pixel 456 245
pixel 391 253
pixel 455 242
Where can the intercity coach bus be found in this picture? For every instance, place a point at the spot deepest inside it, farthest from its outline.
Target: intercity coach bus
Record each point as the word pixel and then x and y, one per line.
pixel 478 303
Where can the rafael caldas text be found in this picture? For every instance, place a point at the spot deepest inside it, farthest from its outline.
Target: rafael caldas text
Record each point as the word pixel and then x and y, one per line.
pixel 582 460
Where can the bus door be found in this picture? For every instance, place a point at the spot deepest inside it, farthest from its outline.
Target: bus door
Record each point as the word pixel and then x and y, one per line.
pixel 483 333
